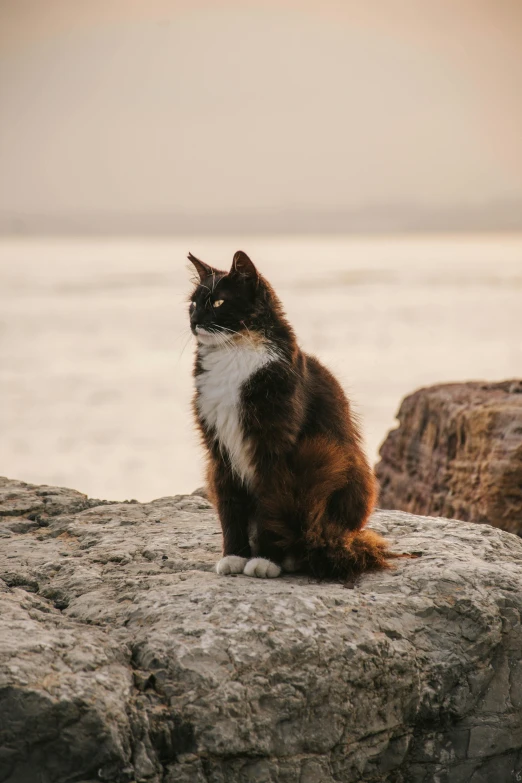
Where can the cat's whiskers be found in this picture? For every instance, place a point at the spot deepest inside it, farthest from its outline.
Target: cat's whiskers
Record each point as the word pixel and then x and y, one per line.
pixel 221 340
pixel 182 334
pixel 247 336
pixel 231 344
pixel 184 347
pixel 224 343
pixel 234 343
pixel 255 344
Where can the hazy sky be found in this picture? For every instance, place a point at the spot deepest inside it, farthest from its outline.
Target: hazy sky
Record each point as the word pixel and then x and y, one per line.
pixel 122 106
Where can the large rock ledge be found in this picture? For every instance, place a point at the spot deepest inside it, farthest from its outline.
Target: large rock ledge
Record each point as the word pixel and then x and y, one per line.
pixel 124 657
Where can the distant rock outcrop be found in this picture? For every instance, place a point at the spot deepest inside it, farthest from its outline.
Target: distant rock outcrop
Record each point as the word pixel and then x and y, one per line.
pixel 457 453
pixel 125 658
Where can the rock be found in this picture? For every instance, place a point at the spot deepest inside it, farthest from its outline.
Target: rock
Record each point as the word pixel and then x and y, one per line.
pixel 457 453
pixel 125 658
pixel 30 503
pixel 201 491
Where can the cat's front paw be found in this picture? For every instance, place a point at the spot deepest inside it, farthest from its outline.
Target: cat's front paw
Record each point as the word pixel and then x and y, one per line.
pixel 231 564
pixel 261 567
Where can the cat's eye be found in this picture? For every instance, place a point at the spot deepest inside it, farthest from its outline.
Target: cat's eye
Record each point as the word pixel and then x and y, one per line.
pixel 218 303
pixel 192 305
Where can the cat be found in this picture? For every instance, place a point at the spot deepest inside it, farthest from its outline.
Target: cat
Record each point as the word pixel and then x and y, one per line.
pixel 286 471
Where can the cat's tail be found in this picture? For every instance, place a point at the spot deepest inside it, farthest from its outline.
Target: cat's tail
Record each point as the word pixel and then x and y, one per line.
pixel 355 552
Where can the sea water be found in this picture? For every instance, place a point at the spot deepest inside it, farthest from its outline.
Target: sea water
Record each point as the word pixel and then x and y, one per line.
pixel 96 356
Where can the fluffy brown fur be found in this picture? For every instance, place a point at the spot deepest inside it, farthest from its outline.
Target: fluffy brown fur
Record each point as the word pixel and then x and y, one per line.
pixel 297 490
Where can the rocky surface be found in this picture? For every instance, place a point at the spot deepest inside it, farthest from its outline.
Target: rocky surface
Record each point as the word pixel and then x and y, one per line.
pixel 124 657
pixel 457 453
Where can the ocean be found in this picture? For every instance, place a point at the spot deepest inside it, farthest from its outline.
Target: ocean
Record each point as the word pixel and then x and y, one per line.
pixel 96 355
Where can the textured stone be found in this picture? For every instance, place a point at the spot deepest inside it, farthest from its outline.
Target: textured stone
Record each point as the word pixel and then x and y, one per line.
pixel 457 453
pixel 124 657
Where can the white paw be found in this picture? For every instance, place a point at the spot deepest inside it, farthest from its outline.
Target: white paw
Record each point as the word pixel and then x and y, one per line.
pixel 232 564
pixel 262 568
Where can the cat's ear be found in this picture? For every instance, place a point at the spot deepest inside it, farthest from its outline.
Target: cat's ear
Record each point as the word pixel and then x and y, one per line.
pixel 243 267
pixel 203 270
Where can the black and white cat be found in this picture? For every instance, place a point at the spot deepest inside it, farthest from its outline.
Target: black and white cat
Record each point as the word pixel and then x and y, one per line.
pixel 286 470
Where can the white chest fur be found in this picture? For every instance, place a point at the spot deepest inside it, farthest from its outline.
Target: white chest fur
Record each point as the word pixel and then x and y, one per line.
pixel 226 369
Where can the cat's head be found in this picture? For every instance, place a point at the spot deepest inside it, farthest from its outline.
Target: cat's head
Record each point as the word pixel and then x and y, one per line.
pixel 228 306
